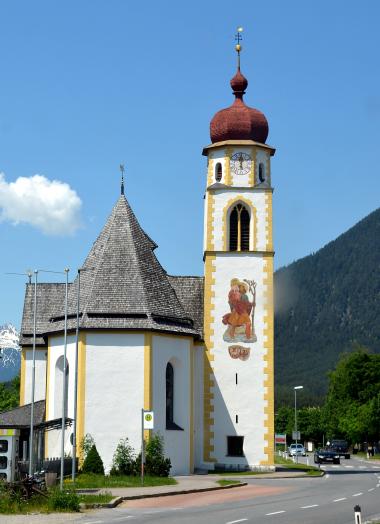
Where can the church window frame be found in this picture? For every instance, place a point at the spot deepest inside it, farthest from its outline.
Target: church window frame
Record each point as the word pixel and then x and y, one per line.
pixel 261 173
pixel 239 229
pixel 58 387
pixel 218 172
pixel 170 395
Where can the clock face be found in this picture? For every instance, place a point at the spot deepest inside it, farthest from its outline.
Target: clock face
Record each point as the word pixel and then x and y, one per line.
pixel 241 163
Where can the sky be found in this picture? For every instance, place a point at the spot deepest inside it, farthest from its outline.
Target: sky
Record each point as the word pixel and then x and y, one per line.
pixel 88 85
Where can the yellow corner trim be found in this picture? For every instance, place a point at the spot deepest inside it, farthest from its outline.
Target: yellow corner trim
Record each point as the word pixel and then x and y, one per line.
pixel 81 406
pixel 22 377
pixel 148 370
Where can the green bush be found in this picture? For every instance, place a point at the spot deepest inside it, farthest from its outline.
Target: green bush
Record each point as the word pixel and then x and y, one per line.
pixel 93 463
pixel 156 464
pixel 86 444
pixel 124 461
pixel 64 500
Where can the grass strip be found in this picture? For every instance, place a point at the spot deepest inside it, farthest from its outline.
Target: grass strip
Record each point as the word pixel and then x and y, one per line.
pixel 227 482
pixel 118 481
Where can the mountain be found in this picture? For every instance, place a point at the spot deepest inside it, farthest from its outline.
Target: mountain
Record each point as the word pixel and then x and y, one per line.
pixel 325 304
pixel 9 354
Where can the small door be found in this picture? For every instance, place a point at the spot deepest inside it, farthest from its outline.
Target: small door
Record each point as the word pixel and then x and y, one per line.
pixel 5 458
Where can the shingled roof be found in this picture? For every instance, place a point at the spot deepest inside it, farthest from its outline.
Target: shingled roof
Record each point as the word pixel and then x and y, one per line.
pixel 20 417
pixel 123 286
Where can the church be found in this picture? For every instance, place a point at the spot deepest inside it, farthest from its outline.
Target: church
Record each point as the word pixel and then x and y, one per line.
pixel 197 351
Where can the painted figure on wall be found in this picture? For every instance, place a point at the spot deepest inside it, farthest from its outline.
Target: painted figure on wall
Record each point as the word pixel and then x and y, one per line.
pixel 240 319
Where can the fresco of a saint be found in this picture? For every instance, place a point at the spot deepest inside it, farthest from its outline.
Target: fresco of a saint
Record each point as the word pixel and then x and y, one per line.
pixel 240 319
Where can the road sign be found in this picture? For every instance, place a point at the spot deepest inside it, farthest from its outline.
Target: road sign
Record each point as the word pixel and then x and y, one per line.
pixel 296 435
pixel 280 438
pixel 148 419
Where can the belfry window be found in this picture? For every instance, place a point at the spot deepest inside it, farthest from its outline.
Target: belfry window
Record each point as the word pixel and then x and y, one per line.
pixel 170 424
pixel 218 172
pixel 261 172
pixel 239 228
pixel 58 387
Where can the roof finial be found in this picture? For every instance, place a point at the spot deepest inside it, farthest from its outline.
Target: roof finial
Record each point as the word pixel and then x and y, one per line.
pixel 121 167
pixel 238 47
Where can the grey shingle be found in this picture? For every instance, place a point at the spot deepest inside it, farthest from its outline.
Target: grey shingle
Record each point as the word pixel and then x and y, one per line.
pixel 123 287
pixel 20 417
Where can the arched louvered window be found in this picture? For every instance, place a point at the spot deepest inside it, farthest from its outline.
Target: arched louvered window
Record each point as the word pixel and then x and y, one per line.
pixel 170 398
pixel 239 228
pixel 58 387
pixel 261 172
pixel 218 172
pixel 169 395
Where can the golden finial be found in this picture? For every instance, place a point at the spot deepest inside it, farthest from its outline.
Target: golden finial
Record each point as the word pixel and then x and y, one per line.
pixel 238 47
pixel 122 169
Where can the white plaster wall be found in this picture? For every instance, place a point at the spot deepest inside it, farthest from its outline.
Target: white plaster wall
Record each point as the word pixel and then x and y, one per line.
pixel 246 399
pixel 114 390
pixel 53 437
pixel 257 200
pixel 40 375
pixel 177 443
pixel 198 405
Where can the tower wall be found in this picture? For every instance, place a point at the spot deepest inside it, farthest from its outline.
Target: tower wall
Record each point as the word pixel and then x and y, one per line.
pixel 238 364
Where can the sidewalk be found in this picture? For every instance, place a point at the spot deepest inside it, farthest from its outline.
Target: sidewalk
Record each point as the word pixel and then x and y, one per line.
pixel 194 483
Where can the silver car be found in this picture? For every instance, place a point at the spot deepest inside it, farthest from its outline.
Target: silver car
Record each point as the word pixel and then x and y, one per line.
pixel 296 449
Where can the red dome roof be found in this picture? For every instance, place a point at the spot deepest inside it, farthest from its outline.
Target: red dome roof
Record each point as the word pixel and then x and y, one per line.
pixel 239 122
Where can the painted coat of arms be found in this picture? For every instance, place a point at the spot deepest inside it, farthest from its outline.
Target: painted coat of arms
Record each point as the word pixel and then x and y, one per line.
pixel 240 320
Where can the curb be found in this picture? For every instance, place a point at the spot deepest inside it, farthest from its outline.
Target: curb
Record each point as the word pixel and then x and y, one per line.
pixel 111 504
pixel 183 492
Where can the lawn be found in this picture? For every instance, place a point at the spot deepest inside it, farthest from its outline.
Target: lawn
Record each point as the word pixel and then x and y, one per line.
pixel 118 481
pixel 289 464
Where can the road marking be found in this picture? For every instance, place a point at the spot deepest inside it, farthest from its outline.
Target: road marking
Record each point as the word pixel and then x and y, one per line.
pixel 339 500
pixel 348 466
pixel 94 522
pixel 311 506
pixel 275 513
pixel 235 521
pixel 362 467
pixel 327 476
pixel 371 489
pixel 378 485
pixel 357 494
pixel 335 466
pixel 126 517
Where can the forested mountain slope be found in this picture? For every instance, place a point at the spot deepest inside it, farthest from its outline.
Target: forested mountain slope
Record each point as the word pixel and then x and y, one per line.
pixel 325 304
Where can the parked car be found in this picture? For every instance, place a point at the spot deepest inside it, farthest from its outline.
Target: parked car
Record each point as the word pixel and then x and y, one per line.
pixel 326 455
pixel 341 447
pixel 296 449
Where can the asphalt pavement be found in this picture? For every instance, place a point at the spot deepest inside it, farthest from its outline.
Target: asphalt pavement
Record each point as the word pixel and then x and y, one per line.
pixel 313 500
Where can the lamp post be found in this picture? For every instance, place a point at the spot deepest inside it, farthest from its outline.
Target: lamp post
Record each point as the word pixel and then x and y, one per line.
pixel 64 383
pixel 295 416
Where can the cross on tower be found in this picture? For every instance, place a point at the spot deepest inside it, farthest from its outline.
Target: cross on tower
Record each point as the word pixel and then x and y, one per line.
pixel 122 170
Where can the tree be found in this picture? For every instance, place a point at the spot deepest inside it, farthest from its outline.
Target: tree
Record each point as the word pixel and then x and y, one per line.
pixel 352 406
pixel 93 463
pixel 10 394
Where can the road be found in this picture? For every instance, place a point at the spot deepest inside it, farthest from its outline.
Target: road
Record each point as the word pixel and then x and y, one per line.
pixel 319 500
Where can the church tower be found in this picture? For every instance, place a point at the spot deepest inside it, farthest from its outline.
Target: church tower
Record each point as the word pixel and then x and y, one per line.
pixel 238 422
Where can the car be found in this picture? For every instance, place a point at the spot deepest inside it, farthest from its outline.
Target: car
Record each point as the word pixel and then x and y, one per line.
pixel 296 449
pixel 341 447
pixel 326 455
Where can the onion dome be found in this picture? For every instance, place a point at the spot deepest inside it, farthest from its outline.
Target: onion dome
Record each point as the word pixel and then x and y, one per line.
pixel 239 122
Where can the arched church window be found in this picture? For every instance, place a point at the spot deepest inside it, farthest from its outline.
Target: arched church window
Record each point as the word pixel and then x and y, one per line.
pixel 261 172
pixel 170 424
pixel 58 387
pixel 239 228
pixel 218 172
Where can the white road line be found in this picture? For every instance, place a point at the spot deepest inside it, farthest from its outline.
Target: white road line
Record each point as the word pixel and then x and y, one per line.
pixel 327 476
pixel 311 506
pixel 235 521
pixel 275 513
pixel 371 489
pixel 349 467
pixel 339 500
pixel 378 485
pixel 123 518
pixel 357 494
pixel 94 522
pixel 335 466
pixel 362 467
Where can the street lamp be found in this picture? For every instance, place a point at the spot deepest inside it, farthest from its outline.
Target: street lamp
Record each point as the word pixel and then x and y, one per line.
pixel 295 417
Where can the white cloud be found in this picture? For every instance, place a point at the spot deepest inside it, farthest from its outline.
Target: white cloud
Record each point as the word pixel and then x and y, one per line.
pixel 49 205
